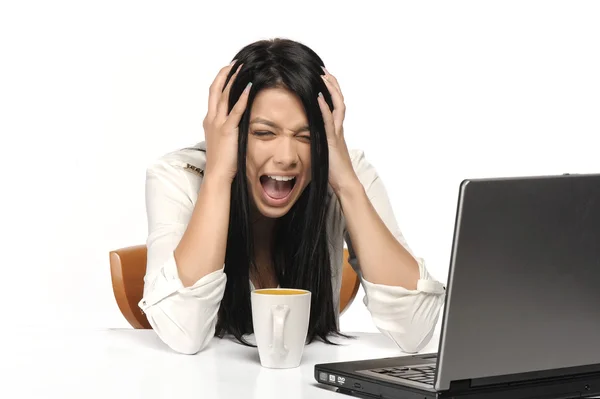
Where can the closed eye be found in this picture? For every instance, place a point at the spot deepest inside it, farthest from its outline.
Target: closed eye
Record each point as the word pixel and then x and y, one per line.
pixel 267 133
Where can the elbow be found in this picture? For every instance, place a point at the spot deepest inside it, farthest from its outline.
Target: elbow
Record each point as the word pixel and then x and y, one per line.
pixel 186 337
pixel 186 346
pixel 415 342
pixel 413 332
pixel 409 340
pixel 184 343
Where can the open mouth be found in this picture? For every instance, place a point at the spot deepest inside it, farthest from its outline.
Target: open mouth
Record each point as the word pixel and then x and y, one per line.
pixel 277 188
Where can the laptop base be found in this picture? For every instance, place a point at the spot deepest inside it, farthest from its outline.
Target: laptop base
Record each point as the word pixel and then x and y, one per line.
pixel 349 379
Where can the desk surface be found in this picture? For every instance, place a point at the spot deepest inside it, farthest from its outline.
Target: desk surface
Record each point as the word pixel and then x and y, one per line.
pixel 124 363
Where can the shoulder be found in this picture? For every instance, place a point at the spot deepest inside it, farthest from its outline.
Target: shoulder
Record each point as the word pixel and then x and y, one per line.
pixel 192 159
pixel 178 171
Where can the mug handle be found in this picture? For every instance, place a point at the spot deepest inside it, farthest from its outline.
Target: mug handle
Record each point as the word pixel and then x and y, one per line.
pixel 279 314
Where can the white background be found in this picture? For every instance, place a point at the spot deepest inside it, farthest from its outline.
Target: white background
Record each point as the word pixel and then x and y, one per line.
pixel 92 92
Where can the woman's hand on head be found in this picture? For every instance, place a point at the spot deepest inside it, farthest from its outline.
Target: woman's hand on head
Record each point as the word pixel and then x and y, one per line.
pixel 221 128
pixel 341 171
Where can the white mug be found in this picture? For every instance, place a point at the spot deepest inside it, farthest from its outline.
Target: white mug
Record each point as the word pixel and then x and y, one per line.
pixel 280 318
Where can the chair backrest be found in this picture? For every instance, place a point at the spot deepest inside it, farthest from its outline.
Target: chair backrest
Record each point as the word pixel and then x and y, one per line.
pixel 127 270
pixel 128 267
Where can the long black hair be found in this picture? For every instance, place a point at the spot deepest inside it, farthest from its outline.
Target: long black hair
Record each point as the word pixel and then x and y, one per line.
pixel 300 251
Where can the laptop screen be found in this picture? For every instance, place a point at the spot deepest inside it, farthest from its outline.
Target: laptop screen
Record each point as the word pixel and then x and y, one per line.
pixel 524 283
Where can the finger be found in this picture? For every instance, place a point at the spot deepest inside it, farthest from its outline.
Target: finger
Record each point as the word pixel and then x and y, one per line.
pixel 224 100
pixel 327 117
pixel 339 107
pixel 214 92
pixel 330 80
pixel 334 81
pixel 234 117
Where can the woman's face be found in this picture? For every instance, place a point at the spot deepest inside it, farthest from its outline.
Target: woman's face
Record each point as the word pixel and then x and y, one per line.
pixel 278 155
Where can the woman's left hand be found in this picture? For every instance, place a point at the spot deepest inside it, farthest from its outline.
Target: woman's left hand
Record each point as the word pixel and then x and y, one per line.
pixel 341 172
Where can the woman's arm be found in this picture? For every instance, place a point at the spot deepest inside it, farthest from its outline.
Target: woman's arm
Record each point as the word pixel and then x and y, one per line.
pixel 383 259
pixel 188 222
pixel 403 298
pixel 202 248
pixel 183 314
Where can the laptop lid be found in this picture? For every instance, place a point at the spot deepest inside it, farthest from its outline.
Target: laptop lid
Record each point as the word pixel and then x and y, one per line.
pixel 523 291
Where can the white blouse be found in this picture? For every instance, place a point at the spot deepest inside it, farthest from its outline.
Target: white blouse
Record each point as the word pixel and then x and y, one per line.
pixel 185 317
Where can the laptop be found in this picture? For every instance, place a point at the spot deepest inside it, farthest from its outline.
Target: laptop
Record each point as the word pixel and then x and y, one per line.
pixel 521 317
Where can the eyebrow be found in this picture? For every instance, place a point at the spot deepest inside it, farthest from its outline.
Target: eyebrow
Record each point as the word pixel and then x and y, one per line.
pixel 267 122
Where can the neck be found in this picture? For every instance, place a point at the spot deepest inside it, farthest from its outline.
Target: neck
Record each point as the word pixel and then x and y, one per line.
pixel 262 230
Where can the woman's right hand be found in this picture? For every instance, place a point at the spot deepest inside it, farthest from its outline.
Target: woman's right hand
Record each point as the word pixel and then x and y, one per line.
pixel 221 129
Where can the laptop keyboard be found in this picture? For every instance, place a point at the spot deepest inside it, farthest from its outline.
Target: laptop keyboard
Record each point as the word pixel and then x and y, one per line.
pixel 423 373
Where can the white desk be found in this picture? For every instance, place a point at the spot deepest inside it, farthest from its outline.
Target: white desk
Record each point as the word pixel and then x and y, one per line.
pixel 111 364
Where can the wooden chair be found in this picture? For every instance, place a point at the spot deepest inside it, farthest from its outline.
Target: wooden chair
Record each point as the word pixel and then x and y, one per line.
pixel 128 267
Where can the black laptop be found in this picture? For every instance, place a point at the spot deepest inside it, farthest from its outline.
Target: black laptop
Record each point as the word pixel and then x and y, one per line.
pixel 522 308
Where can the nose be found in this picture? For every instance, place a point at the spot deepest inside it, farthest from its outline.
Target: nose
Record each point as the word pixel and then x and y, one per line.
pixel 286 153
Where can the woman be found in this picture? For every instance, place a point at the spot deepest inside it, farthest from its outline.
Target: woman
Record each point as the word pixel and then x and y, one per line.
pixel 268 200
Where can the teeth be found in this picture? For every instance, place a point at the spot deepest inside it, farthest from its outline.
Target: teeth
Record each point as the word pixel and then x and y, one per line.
pixel 282 178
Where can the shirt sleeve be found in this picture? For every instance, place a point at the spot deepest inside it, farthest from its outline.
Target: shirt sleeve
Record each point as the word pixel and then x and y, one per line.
pixel 183 317
pixel 408 317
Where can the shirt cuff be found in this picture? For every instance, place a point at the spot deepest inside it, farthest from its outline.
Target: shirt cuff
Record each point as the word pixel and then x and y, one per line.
pixel 166 282
pixel 425 284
